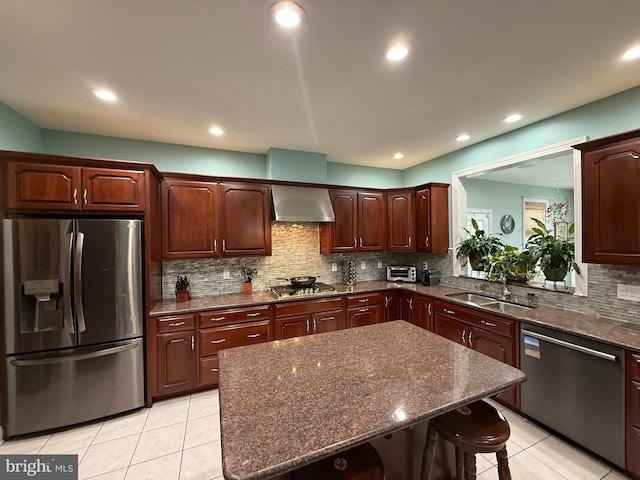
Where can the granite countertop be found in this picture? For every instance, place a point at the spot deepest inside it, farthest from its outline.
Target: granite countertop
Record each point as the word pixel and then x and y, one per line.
pixel 288 403
pixel 600 328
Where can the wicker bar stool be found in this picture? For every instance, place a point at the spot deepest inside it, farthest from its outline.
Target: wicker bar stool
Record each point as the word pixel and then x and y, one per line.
pixel 358 463
pixel 474 428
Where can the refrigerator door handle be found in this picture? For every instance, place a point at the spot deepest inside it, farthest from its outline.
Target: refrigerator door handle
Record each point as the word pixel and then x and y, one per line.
pixel 73 358
pixel 77 284
pixel 68 319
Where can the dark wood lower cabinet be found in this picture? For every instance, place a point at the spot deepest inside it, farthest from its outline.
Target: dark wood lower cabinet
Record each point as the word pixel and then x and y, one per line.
pixel 423 311
pixel 362 316
pixel 295 319
pixel 177 362
pixel 489 334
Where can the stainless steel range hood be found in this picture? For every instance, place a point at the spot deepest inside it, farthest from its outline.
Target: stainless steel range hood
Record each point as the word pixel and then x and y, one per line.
pixel 301 204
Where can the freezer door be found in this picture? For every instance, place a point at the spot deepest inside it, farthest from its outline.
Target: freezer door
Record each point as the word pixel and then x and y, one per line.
pixel 38 291
pixel 65 387
pixel 108 285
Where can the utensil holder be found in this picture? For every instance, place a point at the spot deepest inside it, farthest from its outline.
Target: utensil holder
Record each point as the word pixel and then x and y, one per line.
pixel 247 287
pixel 182 295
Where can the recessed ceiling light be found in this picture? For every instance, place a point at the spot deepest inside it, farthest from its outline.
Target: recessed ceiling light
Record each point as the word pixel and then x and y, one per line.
pixel 516 117
pixel 287 14
pixel 217 131
pixel 632 53
pixel 398 156
pixel 463 138
pixel 105 95
pixel 397 51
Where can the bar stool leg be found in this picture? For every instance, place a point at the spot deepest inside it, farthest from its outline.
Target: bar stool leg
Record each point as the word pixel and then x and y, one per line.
pixel 503 464
pixel 429 453
pixel 469 466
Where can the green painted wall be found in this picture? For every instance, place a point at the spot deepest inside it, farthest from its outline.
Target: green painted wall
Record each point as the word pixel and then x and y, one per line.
pixel 506 199
pixel 294 165
pixel 355 175
pixel 17 132
pixel 608 116
pixel 167 157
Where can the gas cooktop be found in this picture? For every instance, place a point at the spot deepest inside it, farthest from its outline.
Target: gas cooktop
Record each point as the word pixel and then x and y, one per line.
pixel 291 291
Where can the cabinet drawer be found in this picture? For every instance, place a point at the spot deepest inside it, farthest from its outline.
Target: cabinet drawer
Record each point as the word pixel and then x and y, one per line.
pixel 213 340
pixel 176 323
pixel 237 315
pixel 311 306
pixel 487 321
pixel 209 370
pixel 635 367
pixel 363 300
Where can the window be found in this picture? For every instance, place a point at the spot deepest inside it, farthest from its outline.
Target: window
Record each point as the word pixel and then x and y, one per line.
pixel 532 208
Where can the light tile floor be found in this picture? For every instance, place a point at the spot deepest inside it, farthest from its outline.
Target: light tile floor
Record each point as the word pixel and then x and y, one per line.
pixel 179 439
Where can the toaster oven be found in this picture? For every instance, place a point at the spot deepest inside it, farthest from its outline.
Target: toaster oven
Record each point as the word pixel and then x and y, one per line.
pixel 401 273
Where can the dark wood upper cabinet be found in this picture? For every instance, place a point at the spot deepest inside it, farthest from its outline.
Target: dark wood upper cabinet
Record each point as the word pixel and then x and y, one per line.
pixel 106 189
pixel 371 222
pixel 360 224
pixel 400 221
pixel 189 218
pixel 611 199
pixel 207 219
pixel 33 186
pixel 432 218
pixel 245 227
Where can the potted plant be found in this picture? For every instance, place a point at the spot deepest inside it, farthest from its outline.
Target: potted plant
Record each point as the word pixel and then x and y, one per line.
pixel 477 246
pixel 247 274
pixel 509 264
pixel 555 254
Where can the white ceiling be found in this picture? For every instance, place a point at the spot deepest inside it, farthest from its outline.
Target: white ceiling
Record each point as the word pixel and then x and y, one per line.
pixel 554 171
pixel 181 66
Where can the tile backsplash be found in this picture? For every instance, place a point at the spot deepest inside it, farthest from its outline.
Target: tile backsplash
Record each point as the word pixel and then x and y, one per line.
pixel 295 251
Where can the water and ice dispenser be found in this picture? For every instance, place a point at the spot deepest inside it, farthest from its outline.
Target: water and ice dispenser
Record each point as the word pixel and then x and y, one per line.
pixel 41 305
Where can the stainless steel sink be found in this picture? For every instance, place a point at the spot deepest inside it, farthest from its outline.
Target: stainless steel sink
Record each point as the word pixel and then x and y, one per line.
pixel 507 307
pixel 474 298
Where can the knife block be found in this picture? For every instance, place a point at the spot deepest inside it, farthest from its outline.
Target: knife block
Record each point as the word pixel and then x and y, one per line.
pixel 182 295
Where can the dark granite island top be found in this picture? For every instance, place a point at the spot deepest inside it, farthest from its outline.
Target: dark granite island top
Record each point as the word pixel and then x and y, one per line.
pixel 288 403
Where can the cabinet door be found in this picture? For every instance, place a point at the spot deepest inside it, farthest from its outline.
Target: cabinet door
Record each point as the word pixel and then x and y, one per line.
pixel 177 362
pixel 423 314
pixel 43 187
pixel 113 190
pixel 371 222
pixel 632 406
pixel 292 326
pixel 189 219
pixel 327 321
pixel 391 306
pixel 209 372
pixel 245 220
pixel 611 204
pixel 498 347
pixel 400 237
pixel 406 306
pixel 432 219
pixel 341 235
pixel 423 220
pixel 363 316
pixel 451 329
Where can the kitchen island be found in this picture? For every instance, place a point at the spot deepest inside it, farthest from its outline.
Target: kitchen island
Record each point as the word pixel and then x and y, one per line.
pixel 288 403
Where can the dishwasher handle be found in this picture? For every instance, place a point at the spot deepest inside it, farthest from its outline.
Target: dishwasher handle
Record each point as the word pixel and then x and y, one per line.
pixel 573 346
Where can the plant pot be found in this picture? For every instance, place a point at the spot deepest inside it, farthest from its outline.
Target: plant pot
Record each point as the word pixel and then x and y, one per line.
pixel 474 261
pixel 556 273
pixel 182 295
pixel 248 287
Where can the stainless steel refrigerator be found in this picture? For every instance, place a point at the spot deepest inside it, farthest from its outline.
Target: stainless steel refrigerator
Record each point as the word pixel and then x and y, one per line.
pixel 73 321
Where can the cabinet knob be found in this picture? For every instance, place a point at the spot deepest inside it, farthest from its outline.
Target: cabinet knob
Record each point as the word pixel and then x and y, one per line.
pixel 363 310
pixel 176 324
pixel 429 309
pixel 450 312
pixel 363 300
pixel 222 340
pixel 214 370
pixel 253 335
pixel 75 196
pixel 253 314
pixel 84 196
pixel 488 324
pixel 217 319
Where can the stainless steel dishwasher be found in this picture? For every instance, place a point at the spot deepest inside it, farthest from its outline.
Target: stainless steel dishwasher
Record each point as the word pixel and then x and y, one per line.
pixel 576 387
